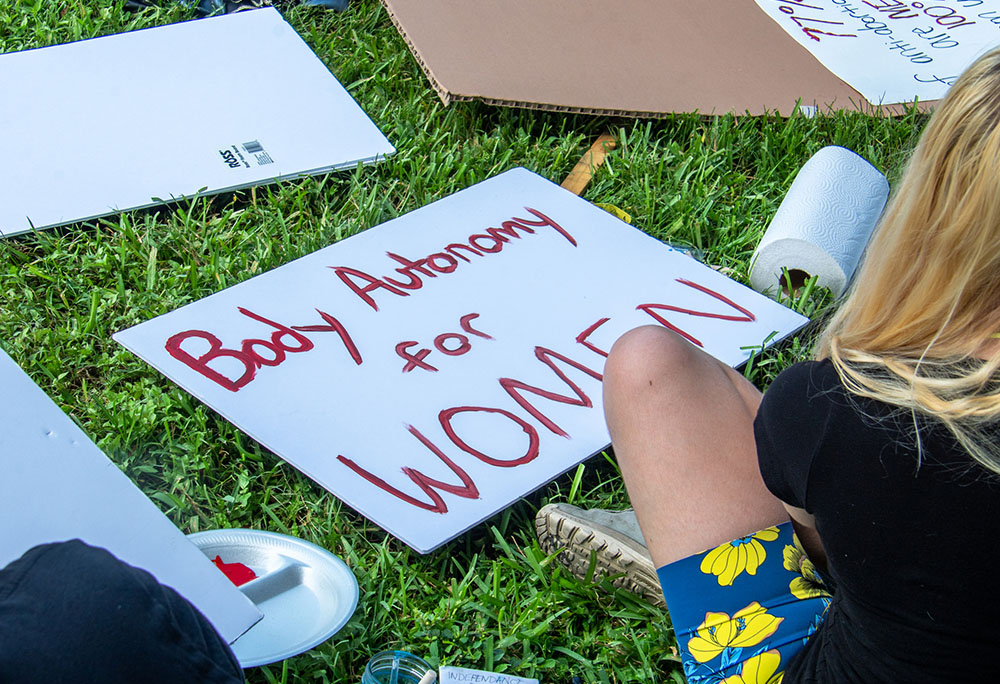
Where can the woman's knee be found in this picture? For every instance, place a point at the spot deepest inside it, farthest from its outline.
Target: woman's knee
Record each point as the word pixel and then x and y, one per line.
pixel 643 355
pixel 654 365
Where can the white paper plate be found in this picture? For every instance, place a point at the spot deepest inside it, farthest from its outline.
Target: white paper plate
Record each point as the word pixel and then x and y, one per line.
pixel 305 592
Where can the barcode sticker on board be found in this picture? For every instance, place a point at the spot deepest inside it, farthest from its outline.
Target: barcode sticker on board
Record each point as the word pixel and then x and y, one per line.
pixel 235 158
pixel 257 150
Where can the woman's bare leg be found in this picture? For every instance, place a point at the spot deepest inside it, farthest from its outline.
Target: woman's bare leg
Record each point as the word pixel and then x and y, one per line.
pixel 681 423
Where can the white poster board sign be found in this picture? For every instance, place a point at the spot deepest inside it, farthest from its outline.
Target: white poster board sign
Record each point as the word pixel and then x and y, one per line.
pixel 200 107
pixel 432 370
pixel 57 485
pixel 892 51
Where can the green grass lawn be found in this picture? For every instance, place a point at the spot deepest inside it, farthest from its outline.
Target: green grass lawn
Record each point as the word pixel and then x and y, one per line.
pixel 491 599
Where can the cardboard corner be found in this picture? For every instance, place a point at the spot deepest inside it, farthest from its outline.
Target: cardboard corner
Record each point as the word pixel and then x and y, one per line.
pixel 446 97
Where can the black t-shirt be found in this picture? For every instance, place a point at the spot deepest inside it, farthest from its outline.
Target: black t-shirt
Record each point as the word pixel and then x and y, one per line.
pixel 914 552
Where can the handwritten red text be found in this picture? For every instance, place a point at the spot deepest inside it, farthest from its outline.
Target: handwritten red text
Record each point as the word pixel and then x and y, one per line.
pixel 255 353
pixel 446 261
pixel 527 396
pixel 450 344
pixel 793 8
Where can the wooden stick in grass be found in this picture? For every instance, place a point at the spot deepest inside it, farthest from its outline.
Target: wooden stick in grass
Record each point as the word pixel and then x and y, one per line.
pixel 591 160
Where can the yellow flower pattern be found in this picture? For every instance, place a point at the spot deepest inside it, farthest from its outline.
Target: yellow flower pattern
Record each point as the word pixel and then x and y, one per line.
pixel 747 627
pixel 762 669
pixel 733 558
pixel 809 584
pixel 755 644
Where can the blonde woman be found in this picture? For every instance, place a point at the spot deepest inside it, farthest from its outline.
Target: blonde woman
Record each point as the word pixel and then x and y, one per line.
pixel 884 452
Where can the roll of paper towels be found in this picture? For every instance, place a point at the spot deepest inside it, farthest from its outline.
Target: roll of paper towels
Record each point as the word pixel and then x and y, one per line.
pixel 824 222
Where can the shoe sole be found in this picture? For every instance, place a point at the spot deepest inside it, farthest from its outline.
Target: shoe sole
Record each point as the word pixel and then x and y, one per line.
pixel 616 555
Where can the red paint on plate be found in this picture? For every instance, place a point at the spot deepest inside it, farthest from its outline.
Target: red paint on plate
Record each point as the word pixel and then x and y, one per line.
pixel 237 573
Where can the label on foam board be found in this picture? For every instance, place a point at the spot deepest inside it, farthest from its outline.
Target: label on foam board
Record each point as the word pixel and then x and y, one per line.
pixel 464 675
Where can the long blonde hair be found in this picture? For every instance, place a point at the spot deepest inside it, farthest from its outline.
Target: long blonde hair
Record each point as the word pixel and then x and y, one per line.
pixel 915 328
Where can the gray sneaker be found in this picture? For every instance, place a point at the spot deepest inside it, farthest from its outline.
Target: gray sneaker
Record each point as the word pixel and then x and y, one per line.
pixel 611 538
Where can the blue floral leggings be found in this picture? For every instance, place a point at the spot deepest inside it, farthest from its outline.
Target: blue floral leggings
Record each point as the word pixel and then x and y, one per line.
pixel 764 598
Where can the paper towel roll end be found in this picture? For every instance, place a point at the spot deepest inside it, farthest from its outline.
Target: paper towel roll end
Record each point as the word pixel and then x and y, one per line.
pixel 823 223
pixel 770 262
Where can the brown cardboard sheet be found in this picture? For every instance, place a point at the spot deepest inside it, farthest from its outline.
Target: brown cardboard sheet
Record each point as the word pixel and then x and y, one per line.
pixel 620 57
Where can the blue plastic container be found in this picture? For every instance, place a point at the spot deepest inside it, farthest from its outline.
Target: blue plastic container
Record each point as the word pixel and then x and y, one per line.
pixel 395 667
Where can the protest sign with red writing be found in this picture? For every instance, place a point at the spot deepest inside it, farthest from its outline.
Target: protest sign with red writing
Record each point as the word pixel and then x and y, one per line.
pixel 434 369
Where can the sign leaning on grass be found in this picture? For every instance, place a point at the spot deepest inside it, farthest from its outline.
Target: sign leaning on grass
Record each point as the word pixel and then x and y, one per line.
pixel 892 51
pixel 434 369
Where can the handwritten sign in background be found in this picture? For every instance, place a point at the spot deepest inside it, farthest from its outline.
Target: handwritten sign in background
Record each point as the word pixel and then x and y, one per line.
pixel 432 370
pixel 892 51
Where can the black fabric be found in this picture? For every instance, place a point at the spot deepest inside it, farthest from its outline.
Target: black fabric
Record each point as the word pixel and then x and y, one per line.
pixel 76 614
pixel 912 549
